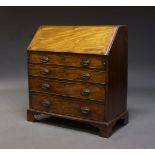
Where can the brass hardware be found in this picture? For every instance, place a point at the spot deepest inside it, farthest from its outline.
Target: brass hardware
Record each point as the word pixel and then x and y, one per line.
pixel 104 63
pixel 45 86
pixel 85 92
pixel 85 110
pixel 85 76
pixel 44 59
pixel 46 103
pixel 44 71
pixel 85 63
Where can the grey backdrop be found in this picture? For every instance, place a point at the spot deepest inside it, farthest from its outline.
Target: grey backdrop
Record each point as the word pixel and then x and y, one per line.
pixel 17 26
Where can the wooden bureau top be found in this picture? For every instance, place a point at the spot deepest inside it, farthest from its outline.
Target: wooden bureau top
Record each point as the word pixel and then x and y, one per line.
pixel 74 39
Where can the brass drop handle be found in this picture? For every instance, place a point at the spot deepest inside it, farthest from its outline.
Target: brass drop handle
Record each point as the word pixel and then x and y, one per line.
pixel 45 86
pixel 85 63
pixel 85 110
pixel 44 59
pixel 44 71
pixel 46 103
pixel 85 92
pixel 85 76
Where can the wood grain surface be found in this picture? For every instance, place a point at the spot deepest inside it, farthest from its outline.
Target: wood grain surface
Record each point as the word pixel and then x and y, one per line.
pixel 67 88
pixel 70 107
pixel 68 73
pixel 68 59
pixel 74 39
pixel 118 75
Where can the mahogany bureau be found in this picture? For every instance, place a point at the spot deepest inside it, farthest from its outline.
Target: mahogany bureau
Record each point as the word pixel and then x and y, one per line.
pixel 79 73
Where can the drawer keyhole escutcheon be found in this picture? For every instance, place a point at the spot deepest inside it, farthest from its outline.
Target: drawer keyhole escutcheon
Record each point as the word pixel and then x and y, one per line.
pixel 45 86
pixel 85 110
pixel 85 63
pixel 44 71
pixel 85 76
pixel 44 59
pixel 85 92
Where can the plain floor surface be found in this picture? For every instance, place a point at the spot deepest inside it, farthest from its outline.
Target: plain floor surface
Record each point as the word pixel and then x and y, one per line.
pixel 16 132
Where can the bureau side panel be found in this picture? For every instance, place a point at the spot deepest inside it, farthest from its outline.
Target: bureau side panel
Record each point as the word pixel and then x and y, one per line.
pixel 117 81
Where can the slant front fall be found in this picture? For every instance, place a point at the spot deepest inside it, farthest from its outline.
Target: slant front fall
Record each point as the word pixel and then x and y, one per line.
pixel 74 39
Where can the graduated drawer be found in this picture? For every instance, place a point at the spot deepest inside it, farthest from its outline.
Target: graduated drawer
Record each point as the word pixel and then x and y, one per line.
pixel 75 60
pixel 78 90
pixel 68 73
pixel 65 106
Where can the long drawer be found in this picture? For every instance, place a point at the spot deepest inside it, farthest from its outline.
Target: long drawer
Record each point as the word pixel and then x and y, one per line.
pixel 79 90
pixel 75 60
pixel 70 107
pixel 68 73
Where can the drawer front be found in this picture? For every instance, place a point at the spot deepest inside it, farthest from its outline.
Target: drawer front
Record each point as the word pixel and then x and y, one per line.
pixel 75 60
pixel 77 74
pixel 78 90
pixel 70 107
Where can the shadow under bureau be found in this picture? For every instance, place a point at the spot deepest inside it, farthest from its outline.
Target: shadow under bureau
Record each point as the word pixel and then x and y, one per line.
pixel 79 73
